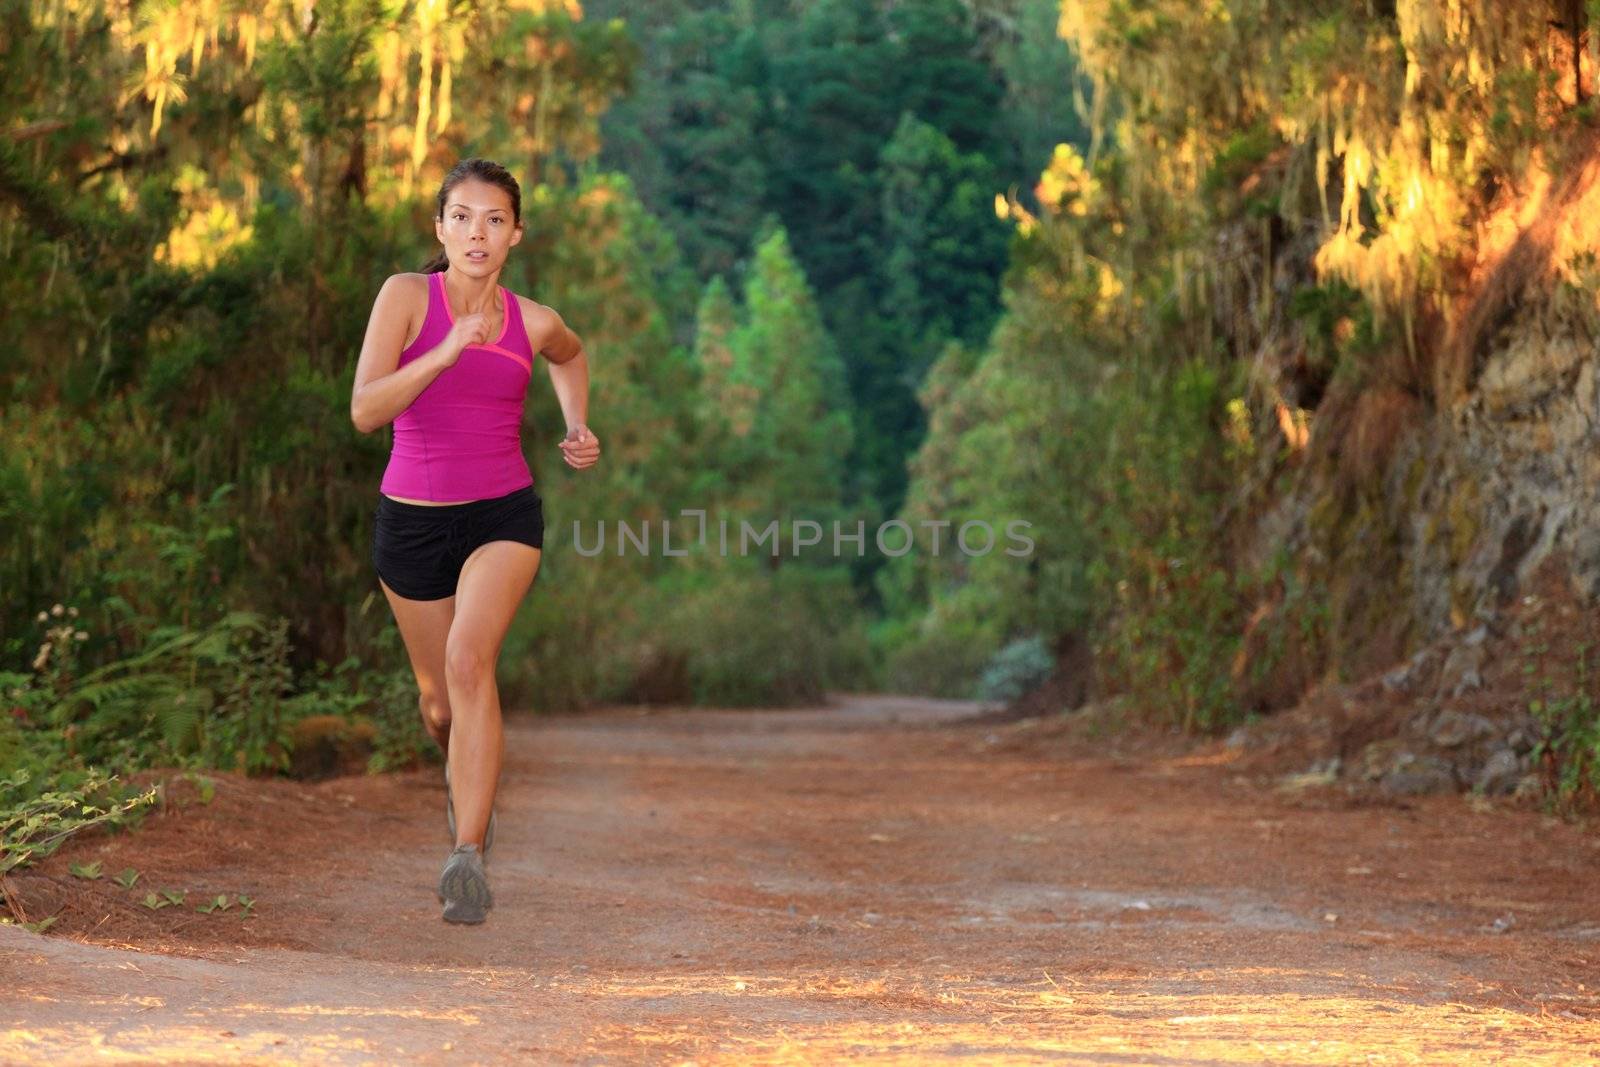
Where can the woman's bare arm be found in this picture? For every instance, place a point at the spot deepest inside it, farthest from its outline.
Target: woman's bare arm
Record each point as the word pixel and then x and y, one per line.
pixel 381 391
pixel 568 362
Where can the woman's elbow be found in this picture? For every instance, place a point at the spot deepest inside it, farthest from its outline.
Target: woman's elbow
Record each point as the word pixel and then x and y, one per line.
pixel 360 419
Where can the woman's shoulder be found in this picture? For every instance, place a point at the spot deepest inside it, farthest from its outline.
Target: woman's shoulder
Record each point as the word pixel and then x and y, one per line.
pixel 528 305
pixel 406 280
pixel 408 286
pixel 539 319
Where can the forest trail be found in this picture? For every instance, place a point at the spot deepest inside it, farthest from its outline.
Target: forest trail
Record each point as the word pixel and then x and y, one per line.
pixel 887 879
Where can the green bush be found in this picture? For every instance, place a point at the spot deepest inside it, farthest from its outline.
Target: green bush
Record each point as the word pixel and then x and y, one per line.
pixel 34 821
pixel 754 637
pixel 1568 751
pixel 941 661
pixel 223 695
pixel 389 702
pixel 1015 669
pixel 205 697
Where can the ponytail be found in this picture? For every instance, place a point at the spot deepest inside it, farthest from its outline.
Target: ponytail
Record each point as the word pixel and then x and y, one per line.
pixel 439 262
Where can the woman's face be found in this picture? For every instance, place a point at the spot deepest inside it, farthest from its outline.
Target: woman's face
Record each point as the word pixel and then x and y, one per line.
pixel 478 228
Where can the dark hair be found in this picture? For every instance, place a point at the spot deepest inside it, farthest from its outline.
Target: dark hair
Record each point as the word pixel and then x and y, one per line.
pixel 484 170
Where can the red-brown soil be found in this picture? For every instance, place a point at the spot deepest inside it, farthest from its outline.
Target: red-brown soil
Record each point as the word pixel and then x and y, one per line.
pixel 876 880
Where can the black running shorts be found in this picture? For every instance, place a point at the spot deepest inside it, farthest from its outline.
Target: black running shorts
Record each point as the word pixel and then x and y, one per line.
pixel 418 549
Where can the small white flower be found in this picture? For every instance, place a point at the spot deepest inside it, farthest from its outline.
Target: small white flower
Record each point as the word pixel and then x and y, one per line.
pixel 43 615
pixel 57 610
pixel 43 656
pixel 73 612
pixel 81 635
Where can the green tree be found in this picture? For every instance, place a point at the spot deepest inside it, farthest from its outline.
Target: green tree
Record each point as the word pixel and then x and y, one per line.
pixel 791 456
pixel 726 407
pixel 1045 94
pixel 943 78
pixel 833 107
pixel 945 247
pixel 688 135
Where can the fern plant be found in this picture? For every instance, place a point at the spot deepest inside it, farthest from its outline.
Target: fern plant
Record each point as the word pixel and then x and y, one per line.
pixel 210 696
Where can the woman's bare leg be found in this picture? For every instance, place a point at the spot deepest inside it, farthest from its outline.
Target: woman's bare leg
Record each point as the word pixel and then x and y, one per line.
pixel 493 582
pixel 424 627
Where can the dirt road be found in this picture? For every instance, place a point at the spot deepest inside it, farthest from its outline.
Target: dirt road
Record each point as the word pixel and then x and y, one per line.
pixel 884 880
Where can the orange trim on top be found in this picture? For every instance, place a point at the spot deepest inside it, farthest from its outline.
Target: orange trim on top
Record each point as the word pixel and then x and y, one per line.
pixel 505 313
pixel 497 350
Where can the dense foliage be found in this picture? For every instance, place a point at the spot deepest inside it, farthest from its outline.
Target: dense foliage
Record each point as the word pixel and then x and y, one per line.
pixel 1258 273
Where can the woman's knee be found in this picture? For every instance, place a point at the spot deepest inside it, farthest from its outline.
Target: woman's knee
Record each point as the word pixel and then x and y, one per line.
pixel 435 709
pixel 466 664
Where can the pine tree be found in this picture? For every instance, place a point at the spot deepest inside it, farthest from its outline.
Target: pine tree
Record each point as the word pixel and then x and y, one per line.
pixel 793 455
pixel 945 248
pixel 687 133
pixel 725 409
pixel 833 107
pixel 943 79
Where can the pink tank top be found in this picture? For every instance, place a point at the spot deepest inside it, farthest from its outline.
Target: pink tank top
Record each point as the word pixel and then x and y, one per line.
pixel 461 438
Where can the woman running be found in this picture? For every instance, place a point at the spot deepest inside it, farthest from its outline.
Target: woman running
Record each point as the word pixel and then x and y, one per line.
pixel 459 528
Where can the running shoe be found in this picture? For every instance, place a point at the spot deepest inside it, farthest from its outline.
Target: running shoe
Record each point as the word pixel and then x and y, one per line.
pixel 450 815
pixel 464 887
